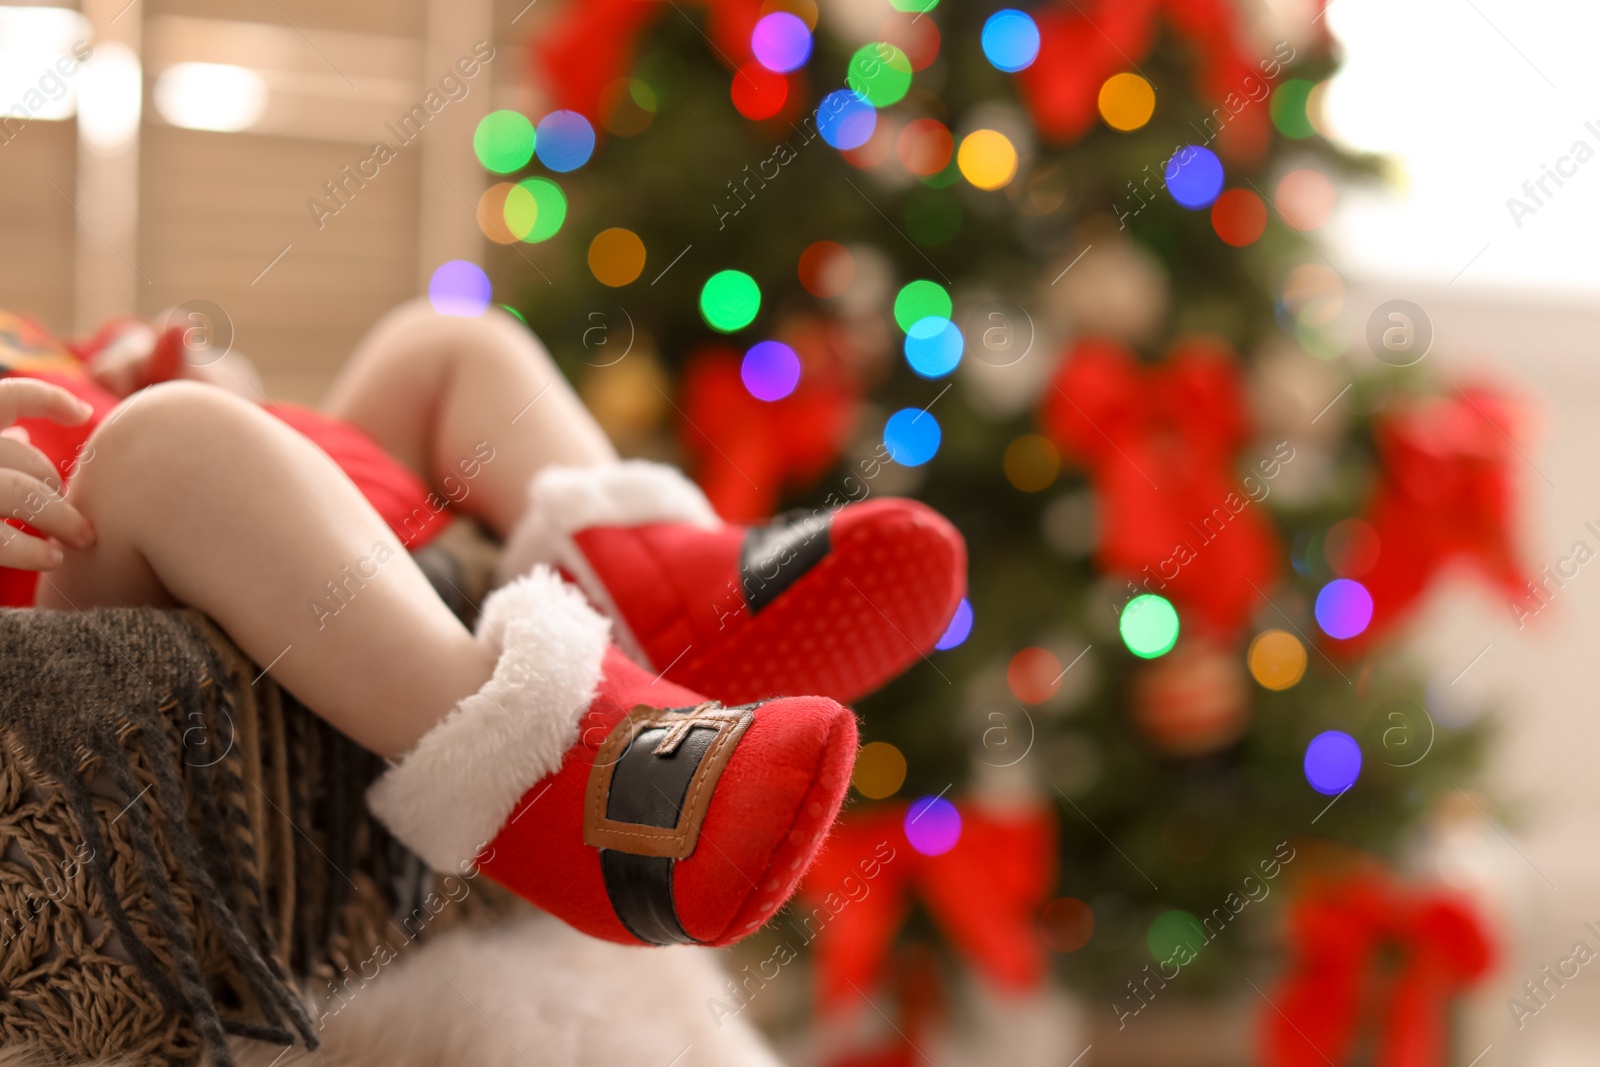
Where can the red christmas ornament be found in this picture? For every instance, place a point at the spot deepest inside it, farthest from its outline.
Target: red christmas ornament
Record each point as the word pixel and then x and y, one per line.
pixel 592 43
pixel 1083 44
pixel 750 451
pixel 1160 445
pixel 1445 495
pixel 1338 987
pixel 984 893
pixel 1192 701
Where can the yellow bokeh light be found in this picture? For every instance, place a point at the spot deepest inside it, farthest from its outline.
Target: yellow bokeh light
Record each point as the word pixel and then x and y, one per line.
pixel 1032 462
pixel 616 256
pixel 521 211
pixel 880 770
pixel 987 159
pixel 1126 101
pixel 1277 659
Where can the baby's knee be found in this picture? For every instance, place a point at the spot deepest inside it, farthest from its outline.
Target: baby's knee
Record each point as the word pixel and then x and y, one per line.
pixel 156 420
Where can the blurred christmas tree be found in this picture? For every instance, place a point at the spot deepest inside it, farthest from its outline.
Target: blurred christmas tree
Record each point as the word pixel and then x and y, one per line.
pixel 1055 273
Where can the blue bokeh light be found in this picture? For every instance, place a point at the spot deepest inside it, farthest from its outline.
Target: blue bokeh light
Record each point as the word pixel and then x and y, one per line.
pixel 912 437
pixel 564 141
pixel 1011 40
pixel 845 119
pixel 959 629
pixel 1194 176
pixel 1333 762
pixel 933 346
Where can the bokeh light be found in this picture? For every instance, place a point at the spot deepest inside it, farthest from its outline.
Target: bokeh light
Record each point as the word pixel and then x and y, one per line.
pixel 880 770
pixel 1149 626
pixel 1344 608
pixel 1277 659
pixel 826 269
pixel 987 159
pixel 781 42
pixel 535 209
pixel 1351 548
pixel 1289 108
pixel 616 256
pixel 770 370
pixel 845 119
pixel 1066 924
pixel 1239 217
pixel 564 141
pixel 758 93
pixel 492 214
pixel 880 73
pixel 933 825
pixel 459 288
pixel 917 6
pixel 1034 675
pixel 1126 101
pixel 1010 40
pixel 925 146
pixel 730 300
pixel 912 437
pixel 503 141
pixel 1306 199
pixel 959 629
pixel 934 346
pixel 918 300
pixel 1194 176
pixel 1172 930
pixel 1032 462
pixel 1333 762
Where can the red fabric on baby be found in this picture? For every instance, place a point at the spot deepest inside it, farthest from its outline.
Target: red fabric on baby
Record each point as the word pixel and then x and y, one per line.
pixel 395 492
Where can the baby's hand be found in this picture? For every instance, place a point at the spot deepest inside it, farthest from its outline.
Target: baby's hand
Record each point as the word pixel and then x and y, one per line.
pixel 30 489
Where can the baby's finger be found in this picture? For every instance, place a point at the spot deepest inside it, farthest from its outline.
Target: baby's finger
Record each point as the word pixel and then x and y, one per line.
pixel 30 500
pixel 16 454
pixel 24 398
pixel 26 553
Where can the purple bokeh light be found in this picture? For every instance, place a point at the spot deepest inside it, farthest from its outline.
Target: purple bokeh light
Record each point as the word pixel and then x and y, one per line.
pixel 460 288
pixel 770 370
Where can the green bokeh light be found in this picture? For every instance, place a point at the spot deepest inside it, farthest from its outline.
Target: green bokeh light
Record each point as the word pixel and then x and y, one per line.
pixel 1288 109
pixel 880 73
pixel 504 141
pixel 535 209
pixel 1171 929
pixel 918 300
pixel 914 5
pixel 730 300
pixel 1149 626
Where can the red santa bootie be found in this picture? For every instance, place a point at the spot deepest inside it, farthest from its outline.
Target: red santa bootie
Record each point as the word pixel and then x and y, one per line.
pixel 828 602
pixel 630 807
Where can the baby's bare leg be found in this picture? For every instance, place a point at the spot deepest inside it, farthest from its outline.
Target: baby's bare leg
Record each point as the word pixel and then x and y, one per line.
pixel 430 387
pixel 201 498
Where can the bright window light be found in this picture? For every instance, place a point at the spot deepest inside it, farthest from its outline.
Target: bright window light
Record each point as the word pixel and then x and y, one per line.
pixel 39 61
pixel 110 88
pixel 211 96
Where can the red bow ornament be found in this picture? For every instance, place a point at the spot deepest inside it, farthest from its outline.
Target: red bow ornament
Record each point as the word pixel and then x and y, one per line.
pixel 1339 990
pixel 590 44
pixel 1081 45
pixel 984 893
pixel 749 451
pixel 1161 444
pixel 1445 495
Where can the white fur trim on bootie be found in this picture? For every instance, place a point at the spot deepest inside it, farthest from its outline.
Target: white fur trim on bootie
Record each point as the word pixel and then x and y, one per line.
pixel 450 795
pixel 564 500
